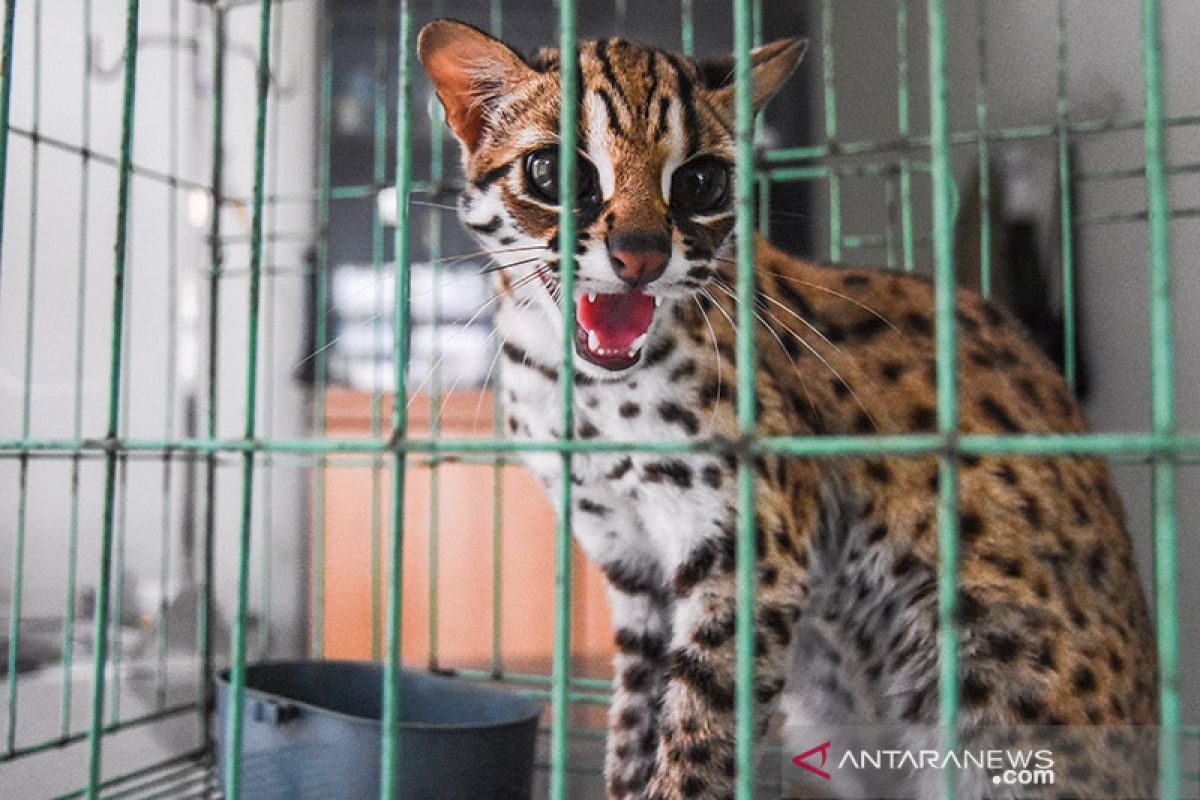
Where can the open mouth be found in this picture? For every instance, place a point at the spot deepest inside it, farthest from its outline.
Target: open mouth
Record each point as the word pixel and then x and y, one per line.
pixel 610 329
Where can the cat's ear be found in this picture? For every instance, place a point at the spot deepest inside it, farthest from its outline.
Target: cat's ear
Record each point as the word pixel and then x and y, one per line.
pixel 471 71
pixel 770 65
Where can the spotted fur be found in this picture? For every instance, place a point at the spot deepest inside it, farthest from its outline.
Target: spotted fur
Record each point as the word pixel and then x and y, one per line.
pixel 1053 625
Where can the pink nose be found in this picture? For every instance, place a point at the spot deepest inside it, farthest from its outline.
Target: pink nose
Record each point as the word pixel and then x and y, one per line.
pixel 638 268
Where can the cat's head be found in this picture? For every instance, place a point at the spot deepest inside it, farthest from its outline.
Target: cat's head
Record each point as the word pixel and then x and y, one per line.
pixel 654 206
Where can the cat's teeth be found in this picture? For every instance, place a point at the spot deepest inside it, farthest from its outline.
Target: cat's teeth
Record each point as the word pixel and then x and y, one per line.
pixel 637 344
pixel 657 302
pixel 593 342
pixel 591 296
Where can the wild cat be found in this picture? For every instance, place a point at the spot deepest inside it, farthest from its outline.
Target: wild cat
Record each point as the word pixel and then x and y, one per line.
pixel 1053 624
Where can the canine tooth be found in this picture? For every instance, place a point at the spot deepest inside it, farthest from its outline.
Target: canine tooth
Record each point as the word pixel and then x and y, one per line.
pixel 591 297
pixel 657 302
pixel 637 344
pixel 593 342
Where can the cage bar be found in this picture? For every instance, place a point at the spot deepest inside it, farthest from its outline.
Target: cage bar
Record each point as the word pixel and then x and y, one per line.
pixel 947 400
pixel 104 581
pixel 746 361
pixel 389 780
pixel 561 656
pixel 237 676
pixel 1162 399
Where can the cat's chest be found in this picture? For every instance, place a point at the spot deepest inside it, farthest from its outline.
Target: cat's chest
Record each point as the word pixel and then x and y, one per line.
pixel 621 493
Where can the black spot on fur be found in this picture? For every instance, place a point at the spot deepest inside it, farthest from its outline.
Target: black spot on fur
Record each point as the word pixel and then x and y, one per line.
pixel 974 692
pixel 969 609
pixel 711 475
pixel 491 226
pixel 1080 514
pixel 683 370
pixel 1003 646
pixel 629 410
pixel 923 419
pixel 918 323
pixel 1031 511
pixel 620 468
pixel 630 718
pixel 970 526
pixel 714 632
pixel 1084 680
pixel 646 645
pixel 777 622
pixel 1097 564
pixel 587 430
pixel 671 471
pixel 904 564
pixel 688 669
pixel 636 677
pixel 996 413
pixel 1010 567
pixel 695 568
pixel 868 328
pixel 591 507
pixel 673 413
pixel 658 351
pixel 699 753
pixel 1029 392
pixel 631 579
pixel 1045 659
pixel 878 471
pixel 1028 707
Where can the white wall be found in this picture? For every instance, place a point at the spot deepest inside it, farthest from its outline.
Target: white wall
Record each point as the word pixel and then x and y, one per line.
pixel 156 322
pixel 1104 80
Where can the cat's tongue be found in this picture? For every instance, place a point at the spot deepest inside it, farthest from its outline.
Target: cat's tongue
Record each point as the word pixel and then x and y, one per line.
pixel 612 327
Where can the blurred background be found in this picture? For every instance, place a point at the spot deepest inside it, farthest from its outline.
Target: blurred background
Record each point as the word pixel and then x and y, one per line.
pixel 479 537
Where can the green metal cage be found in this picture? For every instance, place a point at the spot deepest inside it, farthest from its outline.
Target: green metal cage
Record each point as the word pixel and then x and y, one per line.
pixel 207 456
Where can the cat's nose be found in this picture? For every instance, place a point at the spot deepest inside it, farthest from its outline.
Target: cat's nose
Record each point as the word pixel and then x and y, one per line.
pixel 637 257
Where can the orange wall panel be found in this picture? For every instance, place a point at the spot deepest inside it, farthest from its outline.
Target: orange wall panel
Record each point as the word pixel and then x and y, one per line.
pixel 465 553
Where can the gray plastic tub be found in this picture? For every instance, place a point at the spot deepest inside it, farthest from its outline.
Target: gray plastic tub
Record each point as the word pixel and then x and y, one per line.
pixel 312 730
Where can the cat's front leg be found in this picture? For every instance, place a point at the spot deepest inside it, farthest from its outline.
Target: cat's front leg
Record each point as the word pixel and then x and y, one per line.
pixel 641 619
pixel 695 756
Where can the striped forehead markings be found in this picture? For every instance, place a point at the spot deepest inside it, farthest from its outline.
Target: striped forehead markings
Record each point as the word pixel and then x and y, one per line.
pixel 601 119
pixel 691 121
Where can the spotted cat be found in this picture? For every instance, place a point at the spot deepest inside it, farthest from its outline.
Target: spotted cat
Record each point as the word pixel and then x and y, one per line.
pixel 1053 623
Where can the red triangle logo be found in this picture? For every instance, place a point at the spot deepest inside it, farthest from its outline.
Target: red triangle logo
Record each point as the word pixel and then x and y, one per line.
pixel 800 760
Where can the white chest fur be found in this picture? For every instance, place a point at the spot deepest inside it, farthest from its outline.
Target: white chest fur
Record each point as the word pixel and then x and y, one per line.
pixel 626 506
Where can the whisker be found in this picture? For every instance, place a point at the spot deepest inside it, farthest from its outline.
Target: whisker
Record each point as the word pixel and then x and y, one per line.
pixel 496 360
pixel 454 387
pixel 826 290
pixel 814 351
pixel 466 325
pixel 500 267
pixel 717 351
pixel 765 324
pixel 431 204
pixel 481 253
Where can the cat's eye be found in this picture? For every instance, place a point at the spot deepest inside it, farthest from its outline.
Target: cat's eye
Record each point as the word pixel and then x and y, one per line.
pixel 701 186
pixel 541 177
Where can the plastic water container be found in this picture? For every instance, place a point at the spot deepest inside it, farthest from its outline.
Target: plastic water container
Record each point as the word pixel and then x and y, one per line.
pixel 311 729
